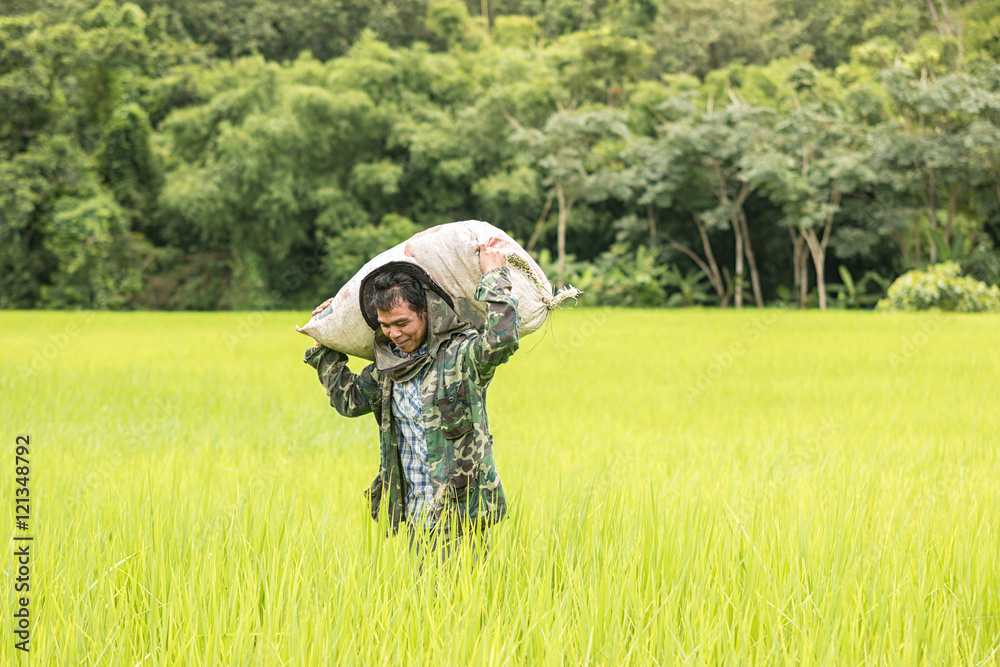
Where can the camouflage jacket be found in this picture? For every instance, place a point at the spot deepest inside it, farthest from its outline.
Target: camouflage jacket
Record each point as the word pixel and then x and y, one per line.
pixel 459 447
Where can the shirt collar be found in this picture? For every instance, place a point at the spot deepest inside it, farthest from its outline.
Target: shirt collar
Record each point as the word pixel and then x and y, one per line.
pixel 403 355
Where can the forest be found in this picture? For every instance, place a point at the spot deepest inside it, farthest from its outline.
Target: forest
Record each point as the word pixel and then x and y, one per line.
pixel 253 154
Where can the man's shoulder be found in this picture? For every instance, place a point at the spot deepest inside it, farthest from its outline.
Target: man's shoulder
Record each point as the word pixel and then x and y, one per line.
pixel 458 341
pixel 451 351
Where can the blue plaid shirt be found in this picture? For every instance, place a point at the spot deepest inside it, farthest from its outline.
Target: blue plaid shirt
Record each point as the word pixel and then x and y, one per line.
pixel 408 411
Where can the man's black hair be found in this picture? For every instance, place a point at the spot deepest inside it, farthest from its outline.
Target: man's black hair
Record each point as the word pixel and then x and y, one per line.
pixel 389 288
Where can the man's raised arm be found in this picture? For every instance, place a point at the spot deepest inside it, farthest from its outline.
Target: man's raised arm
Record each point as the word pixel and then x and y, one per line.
pixel 351 394
pixel 499 339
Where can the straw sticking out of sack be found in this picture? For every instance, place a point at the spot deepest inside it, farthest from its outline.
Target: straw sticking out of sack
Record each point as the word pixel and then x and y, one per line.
pixel 568 292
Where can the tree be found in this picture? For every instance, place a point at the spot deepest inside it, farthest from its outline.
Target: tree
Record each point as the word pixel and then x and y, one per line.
pixel 571 150
pixel 821 158
pixel 698 36
pixel 76 155
pixel 924 150
pixel 661 179
pixel 719 150
pixel 596 66
pixel 266 168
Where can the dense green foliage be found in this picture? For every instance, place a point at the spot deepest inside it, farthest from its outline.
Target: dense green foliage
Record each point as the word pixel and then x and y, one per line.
pixel 196 501
pixel 943 287
pixel 254 154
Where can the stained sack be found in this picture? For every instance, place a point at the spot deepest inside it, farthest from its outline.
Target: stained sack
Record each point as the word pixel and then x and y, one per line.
pixel 445 259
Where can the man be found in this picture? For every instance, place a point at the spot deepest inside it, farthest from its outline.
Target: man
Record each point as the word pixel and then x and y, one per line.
pixel 427 390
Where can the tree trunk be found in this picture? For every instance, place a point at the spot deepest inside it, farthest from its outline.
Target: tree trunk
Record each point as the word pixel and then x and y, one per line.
pixel 916 238
pixel 738 278
pixel 729 287
pixel 541 220
pixel 948 28
pixel 485 6
pixel 715 276
pixel 819 261
pixel 564 208
pixel 934 17
pixel 796 251
pixel 955 28
pixel 714 279
pixel 947 18
pixel 754 276
pixel 817 247
pixel 799 273
pixel 932 206
pixel 741 221
pixel 738 229
pixel 653 241
pixel 952 207
pixel 804 273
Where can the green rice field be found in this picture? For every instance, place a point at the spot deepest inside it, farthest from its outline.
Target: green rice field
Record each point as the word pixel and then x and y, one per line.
pixel 688 487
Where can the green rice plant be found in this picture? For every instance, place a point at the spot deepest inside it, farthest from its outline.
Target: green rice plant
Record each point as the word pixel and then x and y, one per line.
pixel 823 500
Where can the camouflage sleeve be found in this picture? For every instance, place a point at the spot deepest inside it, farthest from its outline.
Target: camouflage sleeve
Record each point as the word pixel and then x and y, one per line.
pixel 351 394
pixel 499 338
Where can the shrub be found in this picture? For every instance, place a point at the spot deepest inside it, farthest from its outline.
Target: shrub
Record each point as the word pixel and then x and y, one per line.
pixel 941 286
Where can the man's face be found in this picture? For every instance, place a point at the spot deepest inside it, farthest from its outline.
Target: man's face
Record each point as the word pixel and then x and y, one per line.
pixel 404 327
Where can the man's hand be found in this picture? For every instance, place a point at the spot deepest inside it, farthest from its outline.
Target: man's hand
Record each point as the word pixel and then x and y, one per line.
pixel 321 307
pixel 490 258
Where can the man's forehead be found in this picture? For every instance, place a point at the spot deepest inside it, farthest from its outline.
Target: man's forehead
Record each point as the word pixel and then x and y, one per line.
pixel 400 311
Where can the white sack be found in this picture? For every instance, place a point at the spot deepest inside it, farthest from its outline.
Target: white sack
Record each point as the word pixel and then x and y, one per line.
pixel 448 254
